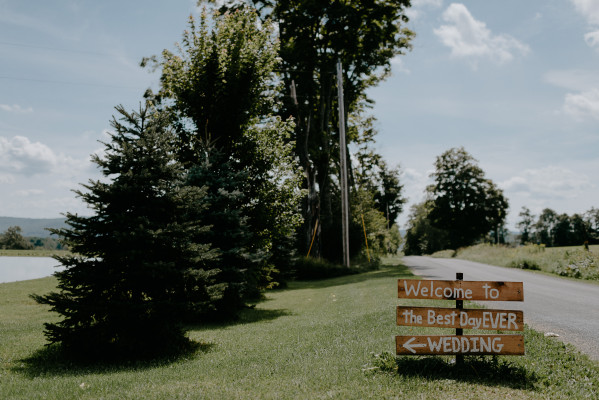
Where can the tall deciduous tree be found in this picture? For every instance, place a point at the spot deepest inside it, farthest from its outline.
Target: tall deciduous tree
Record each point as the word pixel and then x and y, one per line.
pixel 464 203
pixel 314 35
pixel 592 218
pixel 134 273
pixel 545 226
pixel 13 239
pixel 526 225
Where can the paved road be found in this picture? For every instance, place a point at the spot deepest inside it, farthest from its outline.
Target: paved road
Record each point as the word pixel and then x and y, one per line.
pixel 568 308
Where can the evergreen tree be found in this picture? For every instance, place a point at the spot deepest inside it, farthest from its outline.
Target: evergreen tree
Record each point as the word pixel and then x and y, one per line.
pixel 219 86
pixel 134 273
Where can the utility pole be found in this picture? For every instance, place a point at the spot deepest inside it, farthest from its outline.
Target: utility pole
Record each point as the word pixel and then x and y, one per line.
pixel 343 167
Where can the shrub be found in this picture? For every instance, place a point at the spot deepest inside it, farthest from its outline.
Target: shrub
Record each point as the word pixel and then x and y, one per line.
pixel 525 264
pixel 308 268
pixel 579 264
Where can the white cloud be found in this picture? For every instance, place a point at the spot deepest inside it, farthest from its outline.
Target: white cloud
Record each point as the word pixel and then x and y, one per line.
pixel 15 108
pixel 471 39
pixel 415 11
pixel 583 104
pixel 7 178
pixel 398 65
pixel 573 79
pixel 20 155
pixel 548 183
pixel 592 39
pixel 29 192
pixel 589 9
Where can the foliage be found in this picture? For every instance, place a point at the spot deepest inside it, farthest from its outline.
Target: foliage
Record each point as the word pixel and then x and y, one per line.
pixel 221 79
pixel 525 225
pixel 544 227
pixel 48 243
pixel 462 201
pixel 524 264
pixel 553 229
pixel 12 239
pixel 581 264
pixel 364 36
pixel 371 172
pixel 382 239
pixel 309 268
pixel 135 273
pixel 219 87
pixel 421 236
pixel 574 262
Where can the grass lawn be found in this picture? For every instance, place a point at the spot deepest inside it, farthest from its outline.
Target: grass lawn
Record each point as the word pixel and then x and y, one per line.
pixel 314 340
pixel 32 253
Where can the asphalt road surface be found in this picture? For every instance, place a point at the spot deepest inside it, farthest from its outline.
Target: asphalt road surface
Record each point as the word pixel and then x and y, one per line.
pixel 562 306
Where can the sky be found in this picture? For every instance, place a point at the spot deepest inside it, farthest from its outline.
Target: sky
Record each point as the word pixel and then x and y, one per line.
pixel 516 83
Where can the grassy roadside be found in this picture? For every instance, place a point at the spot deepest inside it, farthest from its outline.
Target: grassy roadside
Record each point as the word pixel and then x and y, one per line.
pixel 32 253
pixel 572 262
pixel 324 339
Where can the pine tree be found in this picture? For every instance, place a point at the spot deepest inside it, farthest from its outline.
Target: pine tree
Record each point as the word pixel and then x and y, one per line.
pixel 135 272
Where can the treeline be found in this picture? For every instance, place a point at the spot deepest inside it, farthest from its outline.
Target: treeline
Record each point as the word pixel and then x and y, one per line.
pixel 553 229
pixel 225 177
pixel 12 239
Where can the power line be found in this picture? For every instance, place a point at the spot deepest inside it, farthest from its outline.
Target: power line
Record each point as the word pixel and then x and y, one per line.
pixel 14 78
pixel 34 46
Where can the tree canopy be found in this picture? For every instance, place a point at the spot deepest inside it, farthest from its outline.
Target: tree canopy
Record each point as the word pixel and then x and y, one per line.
pixel 464 202
pixel 460 202
pixel 553 229
pixel 314 36
pixel 13 239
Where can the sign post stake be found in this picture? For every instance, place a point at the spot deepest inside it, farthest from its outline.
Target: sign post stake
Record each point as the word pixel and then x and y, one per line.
pixel 459 305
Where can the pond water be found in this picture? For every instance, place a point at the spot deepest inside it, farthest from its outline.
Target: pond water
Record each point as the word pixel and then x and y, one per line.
pixel 22 268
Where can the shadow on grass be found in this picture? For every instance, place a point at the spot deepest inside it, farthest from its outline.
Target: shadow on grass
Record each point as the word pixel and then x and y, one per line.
pixel 246 316
pixel 52 360
pixel 386 271
pixel 486 370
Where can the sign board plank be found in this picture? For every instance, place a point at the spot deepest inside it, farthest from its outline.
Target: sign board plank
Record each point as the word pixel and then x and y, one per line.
pixel 460 290
pixel 464 345
pixel 505 320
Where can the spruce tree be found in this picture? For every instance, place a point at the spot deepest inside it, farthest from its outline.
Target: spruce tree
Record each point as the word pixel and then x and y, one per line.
pixel 135 272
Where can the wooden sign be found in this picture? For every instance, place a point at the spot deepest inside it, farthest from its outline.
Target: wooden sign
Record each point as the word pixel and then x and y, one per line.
pixel 460 345
pixel 460 290
pixel 505 320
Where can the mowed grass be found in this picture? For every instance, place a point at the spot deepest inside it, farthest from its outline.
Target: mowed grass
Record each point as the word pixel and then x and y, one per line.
pixel 314 340
pixel 574 261
pixel 32 253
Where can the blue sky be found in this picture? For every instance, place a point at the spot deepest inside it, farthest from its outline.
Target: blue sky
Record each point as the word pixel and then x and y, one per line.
pixel 514 82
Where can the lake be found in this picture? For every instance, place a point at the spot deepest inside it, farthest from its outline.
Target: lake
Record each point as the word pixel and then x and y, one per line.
pixel 22 268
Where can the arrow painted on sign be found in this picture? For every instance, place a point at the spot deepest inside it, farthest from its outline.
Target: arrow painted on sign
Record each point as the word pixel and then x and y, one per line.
pixel 410 347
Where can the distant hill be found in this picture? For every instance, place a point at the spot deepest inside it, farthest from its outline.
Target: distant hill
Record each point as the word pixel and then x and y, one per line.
pixel 32 226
